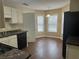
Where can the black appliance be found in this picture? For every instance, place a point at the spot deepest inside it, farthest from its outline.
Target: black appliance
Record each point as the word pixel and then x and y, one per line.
pixel 71 27
pixel 22 40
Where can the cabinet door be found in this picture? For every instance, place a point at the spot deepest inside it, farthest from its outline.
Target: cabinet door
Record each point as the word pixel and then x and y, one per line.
pixel 12 41
pixel 7 12
pixel 14 16
pixel 2 25
pixel 4 40
pixel 72 52
pixel 20 16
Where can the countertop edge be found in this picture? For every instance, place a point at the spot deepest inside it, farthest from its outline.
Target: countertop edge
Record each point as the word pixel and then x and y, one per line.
pixel 13 34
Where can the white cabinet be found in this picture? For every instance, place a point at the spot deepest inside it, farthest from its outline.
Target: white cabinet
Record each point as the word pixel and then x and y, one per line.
pixel 72 52
pixel 20 16
pixel 10 40
pixel 13 13
pixel 7 12
pixel 2 24
pixel 13 41
pixel 14 16
pixel 4 41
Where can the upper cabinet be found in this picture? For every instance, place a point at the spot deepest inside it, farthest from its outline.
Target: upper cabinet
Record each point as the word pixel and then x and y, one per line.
pixel 14 16
pixel 20 16
pixel 2 25
pixel 13 13
pixel 7 12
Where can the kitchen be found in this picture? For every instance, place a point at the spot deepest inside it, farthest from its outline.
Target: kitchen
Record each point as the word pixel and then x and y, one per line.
pixel 12 37
pixel 15 33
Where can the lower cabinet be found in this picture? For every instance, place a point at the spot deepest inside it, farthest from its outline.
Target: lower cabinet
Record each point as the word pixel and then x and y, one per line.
pixel 72 52
pixel 11 41
pixel 4 41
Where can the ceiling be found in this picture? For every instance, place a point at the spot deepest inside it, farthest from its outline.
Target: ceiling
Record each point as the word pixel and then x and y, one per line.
pixel 38 4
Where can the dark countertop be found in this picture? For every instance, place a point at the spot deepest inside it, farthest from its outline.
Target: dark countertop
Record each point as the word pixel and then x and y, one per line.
pixel 73 41
pixel 7 51
pixel 10 33
pixel 15 54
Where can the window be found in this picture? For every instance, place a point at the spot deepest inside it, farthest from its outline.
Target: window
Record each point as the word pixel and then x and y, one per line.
pixel 52 23
pixel 40 22
pixel 62 23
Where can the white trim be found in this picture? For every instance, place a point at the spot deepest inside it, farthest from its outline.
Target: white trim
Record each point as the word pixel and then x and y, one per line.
pixel 55 37
pixel 51 37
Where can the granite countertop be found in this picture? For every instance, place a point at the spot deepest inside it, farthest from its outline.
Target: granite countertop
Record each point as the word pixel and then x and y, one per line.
pixel 73 41
pixel 15 54
pixel 5 30
pixel 9 52
pixel 10 33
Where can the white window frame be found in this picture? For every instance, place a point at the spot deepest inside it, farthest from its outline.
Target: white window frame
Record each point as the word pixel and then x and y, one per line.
pixel 62 25
pixel 41 24
pixel 55 30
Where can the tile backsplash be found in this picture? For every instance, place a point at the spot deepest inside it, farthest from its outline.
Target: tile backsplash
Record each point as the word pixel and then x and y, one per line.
pixel 9 26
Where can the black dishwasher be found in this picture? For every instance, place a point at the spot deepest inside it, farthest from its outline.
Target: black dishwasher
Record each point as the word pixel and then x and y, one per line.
pixel 22 40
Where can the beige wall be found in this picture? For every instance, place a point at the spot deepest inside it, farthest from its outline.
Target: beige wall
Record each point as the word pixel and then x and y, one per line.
pixel 66 8
pixel 74 5
pixel 29 25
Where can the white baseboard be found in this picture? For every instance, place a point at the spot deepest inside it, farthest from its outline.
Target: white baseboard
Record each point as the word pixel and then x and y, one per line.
pixel 55 37
pixel 51 37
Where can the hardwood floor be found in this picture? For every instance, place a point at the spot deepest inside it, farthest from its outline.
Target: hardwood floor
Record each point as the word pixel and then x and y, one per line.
pixel 45 48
